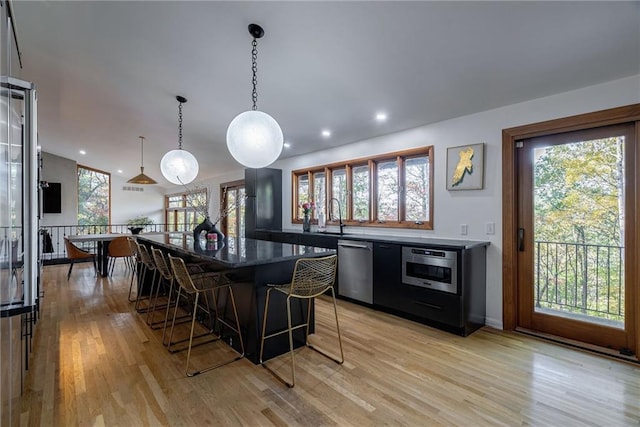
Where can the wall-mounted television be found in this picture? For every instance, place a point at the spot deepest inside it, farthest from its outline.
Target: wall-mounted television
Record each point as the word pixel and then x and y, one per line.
pixel 52 198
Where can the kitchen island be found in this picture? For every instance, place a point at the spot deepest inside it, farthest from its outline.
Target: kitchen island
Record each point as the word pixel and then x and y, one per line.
pixel 253 264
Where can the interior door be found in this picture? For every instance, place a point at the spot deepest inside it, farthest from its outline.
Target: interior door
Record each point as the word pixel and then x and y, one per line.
pixel 576 198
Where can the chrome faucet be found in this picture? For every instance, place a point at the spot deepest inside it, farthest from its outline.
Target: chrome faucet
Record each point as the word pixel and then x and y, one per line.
pixel 340 223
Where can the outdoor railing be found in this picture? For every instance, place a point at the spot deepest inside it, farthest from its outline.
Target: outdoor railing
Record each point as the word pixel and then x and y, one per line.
pixel 580 279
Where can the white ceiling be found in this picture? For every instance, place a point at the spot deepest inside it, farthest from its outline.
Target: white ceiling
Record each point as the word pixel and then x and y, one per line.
pixel 107 72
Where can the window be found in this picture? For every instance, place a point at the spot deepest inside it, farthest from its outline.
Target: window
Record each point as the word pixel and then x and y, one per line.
pixel 390 190
pixel 232 197
pixel 361 192
pixel 184 211
pixel 94 201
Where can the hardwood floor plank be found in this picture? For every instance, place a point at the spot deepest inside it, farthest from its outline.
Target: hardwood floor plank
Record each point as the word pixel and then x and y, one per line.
pixel 96 362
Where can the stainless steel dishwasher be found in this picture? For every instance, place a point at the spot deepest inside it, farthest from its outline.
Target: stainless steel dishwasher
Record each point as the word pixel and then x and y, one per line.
pixel 355 270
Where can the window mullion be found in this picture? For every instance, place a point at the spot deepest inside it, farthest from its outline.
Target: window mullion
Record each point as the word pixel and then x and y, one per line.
pixel 401 190
pixel 349 188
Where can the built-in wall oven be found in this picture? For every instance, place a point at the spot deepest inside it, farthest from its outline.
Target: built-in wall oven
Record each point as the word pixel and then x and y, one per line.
pixel 430 268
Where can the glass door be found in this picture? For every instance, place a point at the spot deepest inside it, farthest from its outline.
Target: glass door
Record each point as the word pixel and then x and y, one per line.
pixel 576 194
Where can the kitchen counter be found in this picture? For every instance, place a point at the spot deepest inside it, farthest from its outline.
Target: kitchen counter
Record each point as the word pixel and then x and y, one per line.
pixel 436 243
pixel 235 253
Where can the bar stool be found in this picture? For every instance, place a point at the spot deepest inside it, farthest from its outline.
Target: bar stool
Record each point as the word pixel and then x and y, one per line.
pixel 164 276
pixel 312 277
pixel 194 286
pixel 147 266
pixel 136 262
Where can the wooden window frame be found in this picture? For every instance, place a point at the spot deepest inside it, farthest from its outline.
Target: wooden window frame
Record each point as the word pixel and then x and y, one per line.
pixel 399 157
pixel 78 167
pixel 183 208
pixel 232 185
pixel 510 136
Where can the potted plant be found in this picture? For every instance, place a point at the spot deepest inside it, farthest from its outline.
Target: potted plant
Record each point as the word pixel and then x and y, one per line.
pixel 137 224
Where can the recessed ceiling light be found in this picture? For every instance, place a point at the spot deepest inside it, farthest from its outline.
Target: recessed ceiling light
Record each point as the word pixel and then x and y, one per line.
pixel 287 145
pixel 119 170
pixel 82 152
pixel 381 117
pixel 326 133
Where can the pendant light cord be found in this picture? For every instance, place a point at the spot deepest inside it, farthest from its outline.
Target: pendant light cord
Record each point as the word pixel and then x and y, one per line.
pixel 180 126
pixel 254 68
pixel 141 152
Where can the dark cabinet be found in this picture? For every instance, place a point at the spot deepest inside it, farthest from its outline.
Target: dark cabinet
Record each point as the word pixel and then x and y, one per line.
pixel 460 313
pixel 263 207
pixel 387 271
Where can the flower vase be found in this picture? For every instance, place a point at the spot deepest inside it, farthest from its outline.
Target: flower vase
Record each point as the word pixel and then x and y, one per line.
pixel 306 223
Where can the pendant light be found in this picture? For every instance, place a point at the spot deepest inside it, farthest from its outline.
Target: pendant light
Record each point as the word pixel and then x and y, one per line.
pixel 254 138
pixel 142 178
pixel 179 166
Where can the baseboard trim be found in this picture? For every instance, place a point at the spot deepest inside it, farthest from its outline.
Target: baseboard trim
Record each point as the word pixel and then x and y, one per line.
pixel 579 345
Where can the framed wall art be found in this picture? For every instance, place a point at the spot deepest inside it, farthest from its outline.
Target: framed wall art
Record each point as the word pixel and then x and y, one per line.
pixel 465 167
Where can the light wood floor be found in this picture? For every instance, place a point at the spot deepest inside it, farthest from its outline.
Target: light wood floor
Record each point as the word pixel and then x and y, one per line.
pixel 96 362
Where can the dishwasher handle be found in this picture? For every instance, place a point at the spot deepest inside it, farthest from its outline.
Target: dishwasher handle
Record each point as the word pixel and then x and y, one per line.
pixel 354 246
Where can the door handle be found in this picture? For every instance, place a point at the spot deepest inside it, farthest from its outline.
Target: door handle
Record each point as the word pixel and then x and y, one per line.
pixel 353 246
pixel 521 239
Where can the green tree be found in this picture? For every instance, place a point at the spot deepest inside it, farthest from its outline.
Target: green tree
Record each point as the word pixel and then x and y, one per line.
pixel 93 197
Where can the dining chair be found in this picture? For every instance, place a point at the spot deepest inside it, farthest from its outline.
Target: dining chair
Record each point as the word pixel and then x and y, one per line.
pixel 312 277
pixel 193 286
pixel 75 254
pixel 119 248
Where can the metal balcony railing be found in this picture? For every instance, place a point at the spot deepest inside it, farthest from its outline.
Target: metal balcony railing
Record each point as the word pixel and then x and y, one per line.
pixel 580 280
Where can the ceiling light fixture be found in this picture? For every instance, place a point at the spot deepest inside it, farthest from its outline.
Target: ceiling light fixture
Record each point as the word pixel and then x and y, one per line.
pixel 142 178
pixel 179 166
pixel 326 133
pixel 381 117
pixel 254 138
pixel 82 152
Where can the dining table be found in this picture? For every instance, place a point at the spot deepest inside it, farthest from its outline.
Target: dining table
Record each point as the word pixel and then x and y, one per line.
pixel 102 240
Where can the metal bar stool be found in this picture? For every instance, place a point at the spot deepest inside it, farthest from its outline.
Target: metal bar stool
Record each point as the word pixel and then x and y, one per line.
pixel 147 266
pixel 194 286
pixel 312 277
pixel 165 275
pixel 136 262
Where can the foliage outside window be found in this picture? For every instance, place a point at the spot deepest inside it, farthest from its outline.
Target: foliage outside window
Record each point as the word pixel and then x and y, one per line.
pixel 232 195
pixel 94 201
pixel 181 210
pixel 389 190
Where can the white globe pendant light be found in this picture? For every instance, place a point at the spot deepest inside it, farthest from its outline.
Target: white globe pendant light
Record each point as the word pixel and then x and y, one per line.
pixel 179 166
pixel 254 138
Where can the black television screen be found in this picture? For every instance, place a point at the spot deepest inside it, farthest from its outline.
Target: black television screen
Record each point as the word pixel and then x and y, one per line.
pixel 52 198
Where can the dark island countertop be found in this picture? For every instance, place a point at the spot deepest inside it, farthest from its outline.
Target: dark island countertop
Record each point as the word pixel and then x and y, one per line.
pixel 234 252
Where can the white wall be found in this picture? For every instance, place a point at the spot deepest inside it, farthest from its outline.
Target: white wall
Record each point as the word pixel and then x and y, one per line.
pixel 126 205
pixel 62 170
